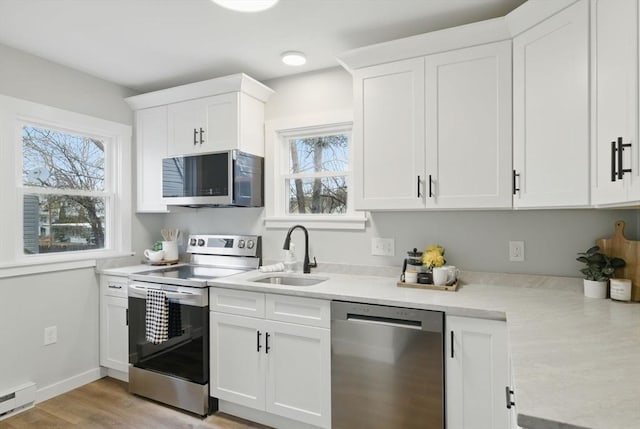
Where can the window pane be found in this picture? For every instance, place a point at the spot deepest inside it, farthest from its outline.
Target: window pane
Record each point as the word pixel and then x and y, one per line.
pixel 62 223
pixel 53 159
pixel 319 154
pixel 320 195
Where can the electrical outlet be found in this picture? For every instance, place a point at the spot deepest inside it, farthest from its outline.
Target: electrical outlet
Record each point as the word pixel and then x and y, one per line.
pixel 516 251
pixel 382 246
pixel 50 335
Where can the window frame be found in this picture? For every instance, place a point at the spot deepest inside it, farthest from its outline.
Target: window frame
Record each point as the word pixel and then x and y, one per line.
pixel 17 113
pixel 277 135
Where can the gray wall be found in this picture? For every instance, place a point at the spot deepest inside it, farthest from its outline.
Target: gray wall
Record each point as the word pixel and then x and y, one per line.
pixel 68 299
pixel 474 240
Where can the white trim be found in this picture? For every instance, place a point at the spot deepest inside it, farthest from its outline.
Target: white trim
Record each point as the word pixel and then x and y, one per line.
pixel 27 270
pixel 321 222
pixel 118 214
pixel 68 384
pixel 275 131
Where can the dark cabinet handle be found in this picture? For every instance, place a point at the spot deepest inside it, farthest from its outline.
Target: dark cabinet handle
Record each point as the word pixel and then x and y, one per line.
pixel 201 133
pixel 514 184
pixel 114 286
pixel 258 345
pixel 267 348
pixel 613 161
pixel 419 187
pixel 508 393
pixel 452 354
pixel 621 147
pixel 430 187
pixel 195 137
pixel 127 317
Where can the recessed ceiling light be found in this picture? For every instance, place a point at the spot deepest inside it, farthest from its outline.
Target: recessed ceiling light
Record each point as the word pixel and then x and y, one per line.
pixel 246 5
pixel 294 58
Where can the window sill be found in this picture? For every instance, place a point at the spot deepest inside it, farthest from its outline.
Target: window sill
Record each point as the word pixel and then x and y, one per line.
pixel 52 263
pixel 351 222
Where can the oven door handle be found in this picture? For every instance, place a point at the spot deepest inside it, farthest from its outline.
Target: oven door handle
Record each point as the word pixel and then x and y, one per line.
pixel 171 295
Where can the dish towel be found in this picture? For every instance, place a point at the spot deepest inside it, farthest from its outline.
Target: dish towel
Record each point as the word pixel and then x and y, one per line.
pixel 157 317
pixel 272 268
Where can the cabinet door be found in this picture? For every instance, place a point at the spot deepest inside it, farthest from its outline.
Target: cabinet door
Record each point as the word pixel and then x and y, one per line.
pixel 185 121
pixel 476 373
pixel 114 334
pixel 551 111
pixel 299 373
pixel 151 147
pixel 388 136
pixel 222 128
pixel 615 41
pixel 237 359
pixel 468 120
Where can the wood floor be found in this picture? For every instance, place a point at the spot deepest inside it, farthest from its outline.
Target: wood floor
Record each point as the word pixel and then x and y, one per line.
pixel 106 403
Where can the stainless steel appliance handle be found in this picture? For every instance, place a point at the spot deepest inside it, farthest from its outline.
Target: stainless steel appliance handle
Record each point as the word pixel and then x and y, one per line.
pixel 176 295
pixel 377 320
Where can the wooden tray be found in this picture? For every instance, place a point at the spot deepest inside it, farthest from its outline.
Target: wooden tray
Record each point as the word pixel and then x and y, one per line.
pixel 450 288
pixel 164 262
pixel 628 250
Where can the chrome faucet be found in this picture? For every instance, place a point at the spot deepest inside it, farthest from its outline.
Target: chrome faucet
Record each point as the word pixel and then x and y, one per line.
pixel 306 267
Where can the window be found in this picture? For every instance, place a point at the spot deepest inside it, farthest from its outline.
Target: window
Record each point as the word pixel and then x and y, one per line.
pixel 317 173
pixel 71 184
pixel 309 179
pixel 64 191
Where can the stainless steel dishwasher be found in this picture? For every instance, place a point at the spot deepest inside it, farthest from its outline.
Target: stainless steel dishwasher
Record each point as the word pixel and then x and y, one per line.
pixel 386 367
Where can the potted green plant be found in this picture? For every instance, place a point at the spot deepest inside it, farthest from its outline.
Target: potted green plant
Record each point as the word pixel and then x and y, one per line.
pixel 599 269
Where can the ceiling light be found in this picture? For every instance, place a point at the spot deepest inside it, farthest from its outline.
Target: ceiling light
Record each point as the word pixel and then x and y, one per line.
pixel 246 5
pixel 294 58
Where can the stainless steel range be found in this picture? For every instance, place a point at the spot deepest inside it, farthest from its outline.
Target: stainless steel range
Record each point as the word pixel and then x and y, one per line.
pixel 169 320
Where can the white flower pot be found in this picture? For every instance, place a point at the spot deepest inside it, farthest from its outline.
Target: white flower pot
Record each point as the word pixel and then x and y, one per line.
pixel 594 289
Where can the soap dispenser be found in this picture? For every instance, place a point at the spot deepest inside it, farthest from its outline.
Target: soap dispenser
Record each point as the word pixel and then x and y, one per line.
pixel 290 259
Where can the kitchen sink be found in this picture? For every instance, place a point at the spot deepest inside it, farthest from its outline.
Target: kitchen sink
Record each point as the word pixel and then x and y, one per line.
pixel 289 280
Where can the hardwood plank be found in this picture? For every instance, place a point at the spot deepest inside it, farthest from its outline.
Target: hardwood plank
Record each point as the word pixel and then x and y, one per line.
pixel 106 403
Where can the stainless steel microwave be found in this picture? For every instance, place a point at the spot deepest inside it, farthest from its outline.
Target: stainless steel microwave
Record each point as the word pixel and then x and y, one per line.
pixel 229 178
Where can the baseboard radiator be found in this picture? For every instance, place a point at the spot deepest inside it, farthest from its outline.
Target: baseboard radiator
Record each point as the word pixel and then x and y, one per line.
pixel 16 399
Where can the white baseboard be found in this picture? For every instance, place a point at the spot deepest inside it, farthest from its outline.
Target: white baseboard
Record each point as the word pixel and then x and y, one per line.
pixel 68 384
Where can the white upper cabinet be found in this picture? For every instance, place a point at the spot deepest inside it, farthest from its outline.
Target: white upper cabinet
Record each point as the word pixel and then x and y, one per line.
pixel 615 93
pixel 434 131
pixel 210 116
pixel 151 147
pixel 468 127
pixel 551 111
pixel 388 135
pixel 222 122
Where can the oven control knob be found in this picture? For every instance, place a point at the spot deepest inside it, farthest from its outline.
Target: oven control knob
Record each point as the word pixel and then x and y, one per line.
pixel 250 244
pixel 200 242
pixel 240 244
pixel 192 242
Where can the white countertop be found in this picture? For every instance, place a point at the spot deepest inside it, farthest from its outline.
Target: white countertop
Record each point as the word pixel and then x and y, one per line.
pixel 575 360
pixel 125 271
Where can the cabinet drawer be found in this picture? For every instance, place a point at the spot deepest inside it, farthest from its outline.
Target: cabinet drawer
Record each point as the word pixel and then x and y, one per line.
pixel 240 302
pixel 113 286
pixel 295 309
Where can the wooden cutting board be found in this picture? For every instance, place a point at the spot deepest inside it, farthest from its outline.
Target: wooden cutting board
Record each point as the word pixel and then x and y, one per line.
pixel 628 250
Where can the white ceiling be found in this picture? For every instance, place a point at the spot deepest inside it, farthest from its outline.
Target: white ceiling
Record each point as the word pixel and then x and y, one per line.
pixel 153 44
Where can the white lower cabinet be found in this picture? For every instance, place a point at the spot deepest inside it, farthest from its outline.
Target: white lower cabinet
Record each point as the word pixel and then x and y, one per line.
pixel 278 367
pixel 114 334
pixel 477 374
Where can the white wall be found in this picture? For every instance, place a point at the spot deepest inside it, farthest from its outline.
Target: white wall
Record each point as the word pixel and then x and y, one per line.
pixel 68 299
pixel 474 240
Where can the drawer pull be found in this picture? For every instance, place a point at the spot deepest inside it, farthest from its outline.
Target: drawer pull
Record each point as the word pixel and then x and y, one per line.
pixel 113 286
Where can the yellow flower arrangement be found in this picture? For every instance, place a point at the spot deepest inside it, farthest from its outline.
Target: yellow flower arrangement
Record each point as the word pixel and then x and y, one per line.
pixel 433 256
